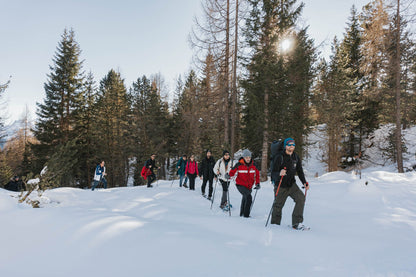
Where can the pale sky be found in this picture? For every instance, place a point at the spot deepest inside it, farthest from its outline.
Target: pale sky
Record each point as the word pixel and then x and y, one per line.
pixel 134 37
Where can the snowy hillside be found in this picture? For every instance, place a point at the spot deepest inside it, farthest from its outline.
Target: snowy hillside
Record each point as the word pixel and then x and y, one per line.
pixel 375 154
pixel 357 230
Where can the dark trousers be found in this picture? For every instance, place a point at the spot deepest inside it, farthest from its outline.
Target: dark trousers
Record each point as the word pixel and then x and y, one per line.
pixel 225 186
pixel 297 195
pixel 150 179
pixel 191 178
pixel 204 184
pixel 245 201
pixel 95 183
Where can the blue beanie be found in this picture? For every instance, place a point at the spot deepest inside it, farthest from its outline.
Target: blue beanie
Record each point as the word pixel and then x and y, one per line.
pixel 288 140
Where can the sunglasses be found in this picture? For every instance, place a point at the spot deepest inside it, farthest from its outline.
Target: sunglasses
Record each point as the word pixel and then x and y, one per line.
pixel 291 144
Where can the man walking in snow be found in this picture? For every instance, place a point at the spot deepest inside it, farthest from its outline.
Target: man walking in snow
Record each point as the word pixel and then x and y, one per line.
pixel 222 169
pixel 99 175
pixel 150 165
pixel 247 175
pixel 181 165
pixel 285 167
pixel 206 172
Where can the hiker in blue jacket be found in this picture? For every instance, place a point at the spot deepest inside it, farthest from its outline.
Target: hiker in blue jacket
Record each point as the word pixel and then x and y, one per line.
pixel 181 165
pixel 99 176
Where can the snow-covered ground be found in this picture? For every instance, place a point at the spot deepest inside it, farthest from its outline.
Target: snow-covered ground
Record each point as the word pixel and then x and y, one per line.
pixel 356 230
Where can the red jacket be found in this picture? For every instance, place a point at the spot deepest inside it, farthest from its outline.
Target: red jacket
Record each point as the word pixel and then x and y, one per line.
pixel 191 168
pixel 247 174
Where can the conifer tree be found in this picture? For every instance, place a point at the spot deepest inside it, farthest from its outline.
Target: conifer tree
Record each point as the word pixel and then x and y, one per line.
pixel 111 127
pixel 329 100
pixel 87 124
pixel 54 128
pixel 276 80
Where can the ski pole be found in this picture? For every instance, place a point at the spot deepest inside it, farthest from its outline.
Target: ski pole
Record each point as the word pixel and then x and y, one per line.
pixel 228 196
pixel 254 199
pixel 277 191
pixel 213 195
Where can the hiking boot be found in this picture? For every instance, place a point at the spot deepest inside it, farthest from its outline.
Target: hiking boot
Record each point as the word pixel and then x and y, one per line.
pixel 185 186
pixel 150 186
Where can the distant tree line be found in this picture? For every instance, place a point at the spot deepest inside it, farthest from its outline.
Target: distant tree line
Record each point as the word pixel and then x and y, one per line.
pixel 257 77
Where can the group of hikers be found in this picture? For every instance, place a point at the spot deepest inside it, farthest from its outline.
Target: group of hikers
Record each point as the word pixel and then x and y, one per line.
pixel 284 167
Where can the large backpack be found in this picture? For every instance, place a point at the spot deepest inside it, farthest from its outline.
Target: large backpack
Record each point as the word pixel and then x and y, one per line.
pixel 276 149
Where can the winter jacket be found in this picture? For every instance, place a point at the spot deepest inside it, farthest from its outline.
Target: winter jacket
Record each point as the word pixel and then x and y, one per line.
pixel 99 172
pixel 191 168
pixel 247 174
pixel 293 165
pixel 206 168
pixel 223 167
pixel 180 165
pixel 151 163
pixel 14 185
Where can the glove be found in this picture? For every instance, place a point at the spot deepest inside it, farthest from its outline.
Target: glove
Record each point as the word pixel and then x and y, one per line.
pixel 227 176
pixel 257 186
pixel 305 185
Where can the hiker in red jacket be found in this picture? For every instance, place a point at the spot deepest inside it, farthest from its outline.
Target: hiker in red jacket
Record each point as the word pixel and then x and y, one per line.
pixel 191 171
pixel 247 175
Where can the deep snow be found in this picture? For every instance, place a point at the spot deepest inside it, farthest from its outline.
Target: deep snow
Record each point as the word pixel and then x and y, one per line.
pixel 357 230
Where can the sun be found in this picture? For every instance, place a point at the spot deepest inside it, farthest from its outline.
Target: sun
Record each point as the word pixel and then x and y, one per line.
pixel 286 45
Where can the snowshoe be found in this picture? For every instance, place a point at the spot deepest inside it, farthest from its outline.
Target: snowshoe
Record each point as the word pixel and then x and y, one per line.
pixel 300 227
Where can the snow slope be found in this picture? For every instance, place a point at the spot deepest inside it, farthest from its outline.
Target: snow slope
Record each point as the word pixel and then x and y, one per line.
pixel 357 230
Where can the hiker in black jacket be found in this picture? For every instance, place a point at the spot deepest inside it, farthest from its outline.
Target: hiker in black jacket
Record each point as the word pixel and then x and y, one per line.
pixel 15 184
pixel 285 166
pixel 206 172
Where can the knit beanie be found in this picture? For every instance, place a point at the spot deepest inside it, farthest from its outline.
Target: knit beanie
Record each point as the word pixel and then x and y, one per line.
pixel 246 153
pixel 288 140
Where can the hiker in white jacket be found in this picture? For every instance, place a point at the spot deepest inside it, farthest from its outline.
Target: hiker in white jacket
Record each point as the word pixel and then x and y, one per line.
pixel 221 169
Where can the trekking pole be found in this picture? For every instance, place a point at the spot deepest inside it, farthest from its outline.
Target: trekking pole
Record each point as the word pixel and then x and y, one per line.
pixel 254 199
pixel 213 195
pixel 228 196
pixel 277 191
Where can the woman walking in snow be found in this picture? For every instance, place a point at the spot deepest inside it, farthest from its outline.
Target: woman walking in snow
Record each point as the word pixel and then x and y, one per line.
pixel 247 175
pixel 222 169
pixel 191 171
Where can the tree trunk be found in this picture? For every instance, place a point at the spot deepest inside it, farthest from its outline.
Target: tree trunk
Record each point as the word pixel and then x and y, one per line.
pixel 265 148
pixel 226 78
pixel 234 90
pixel 398 131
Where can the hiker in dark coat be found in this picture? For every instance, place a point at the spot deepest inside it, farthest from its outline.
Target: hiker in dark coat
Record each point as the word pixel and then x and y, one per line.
pixel 206 172
pixel 15 184
pixel 285 166
pixel 151 165
pixel 181 166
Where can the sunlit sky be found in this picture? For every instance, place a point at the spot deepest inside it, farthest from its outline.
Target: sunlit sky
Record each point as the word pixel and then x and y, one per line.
pixel 134 37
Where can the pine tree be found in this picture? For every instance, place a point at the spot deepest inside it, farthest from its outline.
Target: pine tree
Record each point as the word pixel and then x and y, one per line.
pixel 273 84
pixel 54 128
pixel 150 118
pixel 86 126
pixel 329 100
pixel 112 128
